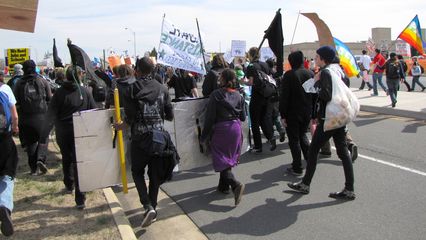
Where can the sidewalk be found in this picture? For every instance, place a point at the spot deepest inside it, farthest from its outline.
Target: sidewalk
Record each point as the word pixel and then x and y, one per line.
pixel 173 223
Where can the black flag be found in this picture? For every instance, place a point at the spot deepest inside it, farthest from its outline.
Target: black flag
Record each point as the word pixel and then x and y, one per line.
pixel 81 59
pixel 57 62
pixel 275 37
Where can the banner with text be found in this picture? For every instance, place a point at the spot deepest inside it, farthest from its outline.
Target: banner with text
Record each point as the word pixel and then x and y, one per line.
pixel 402 48
pixel 238 48
pixel 181 49
pixel 17 55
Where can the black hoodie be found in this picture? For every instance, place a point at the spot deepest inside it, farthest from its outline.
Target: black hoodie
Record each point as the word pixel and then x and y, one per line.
pixel 224 105
pixel 68 99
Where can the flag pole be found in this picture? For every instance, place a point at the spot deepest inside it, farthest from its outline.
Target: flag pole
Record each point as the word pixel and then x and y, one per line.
pixel 162 26
pixel 201 44
pixel 295 27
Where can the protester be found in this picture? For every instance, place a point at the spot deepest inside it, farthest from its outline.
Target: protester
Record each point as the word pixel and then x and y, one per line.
pixel 365 62
pixel 404 73
pixel 17 74
pixel 324 57
pixel 378 68
pixel 32 96
pixel 211 81
pixel 146 107
pixel 183 82
pixel 394 73
pixel 222 127
pixel 59 76
pixel 8 156
pixel 260 107
pixel 295 109
pixel 416 71
pixel 68 99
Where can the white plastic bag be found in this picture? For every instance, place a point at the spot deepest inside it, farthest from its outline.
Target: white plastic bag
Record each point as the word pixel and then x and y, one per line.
pixel 343 106
pixel 308 85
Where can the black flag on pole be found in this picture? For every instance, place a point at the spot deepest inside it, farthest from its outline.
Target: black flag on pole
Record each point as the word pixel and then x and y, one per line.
pixel 275 37
pixel 81 59
pixel 57 62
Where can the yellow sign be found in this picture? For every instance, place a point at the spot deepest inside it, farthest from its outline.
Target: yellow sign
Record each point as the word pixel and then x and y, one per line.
pixel 17 55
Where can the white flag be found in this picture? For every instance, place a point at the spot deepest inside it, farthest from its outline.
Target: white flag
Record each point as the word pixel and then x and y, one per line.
pixel 180 49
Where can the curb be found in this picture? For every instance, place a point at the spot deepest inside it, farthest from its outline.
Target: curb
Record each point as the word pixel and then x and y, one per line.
pixel 120 218
pixel 396 112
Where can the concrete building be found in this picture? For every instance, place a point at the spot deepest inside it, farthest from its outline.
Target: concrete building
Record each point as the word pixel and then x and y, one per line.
pixel 382 37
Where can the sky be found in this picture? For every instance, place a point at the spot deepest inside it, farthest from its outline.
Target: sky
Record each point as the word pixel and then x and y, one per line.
pixel 95 25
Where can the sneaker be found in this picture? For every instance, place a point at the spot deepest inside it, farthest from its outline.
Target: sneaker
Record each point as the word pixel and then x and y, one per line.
pixel 344 195
pixel 224 190
pixel 67 190
pixel 273 143
pixel 33 173
pixel 423 89
pixel 324 155
pixel 255 150
pixel 291 171
pixel 393 104
pixel 80 206
pixel 6 222
pixel 149 216
pixel 282 136
pixel 42 167
pixel 299 187
pixel 353 149
pixel 238 193
pixel 374 95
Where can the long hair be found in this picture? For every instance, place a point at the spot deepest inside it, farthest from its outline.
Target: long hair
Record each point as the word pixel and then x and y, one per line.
pixel 219 62
pixel 254 54
pixel 228 78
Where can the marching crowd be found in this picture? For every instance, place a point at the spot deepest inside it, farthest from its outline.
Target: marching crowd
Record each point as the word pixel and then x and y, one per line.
pixel 252 91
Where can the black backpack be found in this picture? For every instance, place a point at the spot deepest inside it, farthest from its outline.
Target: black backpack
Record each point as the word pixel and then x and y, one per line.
pixel 267 85
pixel 34 96
pixel 394 70
pixel 99 90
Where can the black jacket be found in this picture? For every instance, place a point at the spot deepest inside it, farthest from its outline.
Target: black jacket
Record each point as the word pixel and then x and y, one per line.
pixel 223 105
pixel 67 100
pixel 295 103
pixel 252 72
pixel 211 81
pixel 325 89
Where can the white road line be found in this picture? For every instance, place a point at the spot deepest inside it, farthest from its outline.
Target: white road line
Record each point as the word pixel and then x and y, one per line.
pixel 393 165
pixel 390 164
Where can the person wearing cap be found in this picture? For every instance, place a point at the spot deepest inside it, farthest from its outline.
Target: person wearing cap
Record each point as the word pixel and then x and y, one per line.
pixel 32 95
pixel 394 74
pixel 17 74
pixel 325 56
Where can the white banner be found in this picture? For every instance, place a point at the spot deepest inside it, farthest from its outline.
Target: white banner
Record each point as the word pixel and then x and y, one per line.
pixel 402 48
pixel 266 53
pixel 238 48
pixel 180 49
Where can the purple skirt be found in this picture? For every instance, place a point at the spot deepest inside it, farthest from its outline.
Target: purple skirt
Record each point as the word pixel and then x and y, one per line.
pixel 225 145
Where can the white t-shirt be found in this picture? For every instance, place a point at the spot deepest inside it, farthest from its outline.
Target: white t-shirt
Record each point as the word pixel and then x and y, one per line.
pixel 366 61
pixel 9 93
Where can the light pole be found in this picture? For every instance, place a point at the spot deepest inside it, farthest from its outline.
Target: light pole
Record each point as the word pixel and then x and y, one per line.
pixel 134 40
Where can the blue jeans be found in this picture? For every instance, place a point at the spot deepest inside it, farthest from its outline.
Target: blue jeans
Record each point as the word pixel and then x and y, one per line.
pixel 6 192
pixel 393 85
pixel 378 77
pixel 416 80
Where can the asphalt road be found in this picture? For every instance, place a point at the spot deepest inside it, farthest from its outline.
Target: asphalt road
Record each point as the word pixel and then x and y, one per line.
pixel 390 175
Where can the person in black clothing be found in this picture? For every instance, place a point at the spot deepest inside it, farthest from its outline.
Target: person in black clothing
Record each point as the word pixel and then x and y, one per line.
pixel 260 107
pixel 222 126
pixel 296 109
pixel 32 111
pixel 404 73
pixel 324 57
pixel 68 99
pixel 211 81
pixel 183 82
pixel 146 105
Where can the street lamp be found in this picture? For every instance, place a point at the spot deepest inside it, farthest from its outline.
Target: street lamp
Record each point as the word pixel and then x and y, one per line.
pixel 134 40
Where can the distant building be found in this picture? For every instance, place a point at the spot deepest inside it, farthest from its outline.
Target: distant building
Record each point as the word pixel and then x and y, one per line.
pixel 382 38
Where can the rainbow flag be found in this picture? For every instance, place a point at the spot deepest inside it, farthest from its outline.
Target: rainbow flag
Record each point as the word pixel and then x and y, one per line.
pixel 413 35
pixel 347 60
